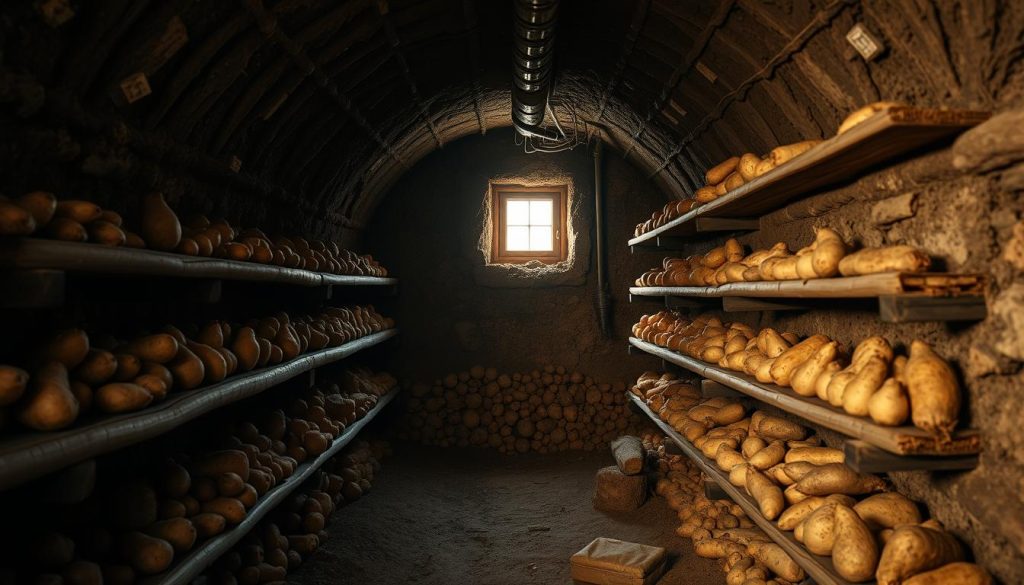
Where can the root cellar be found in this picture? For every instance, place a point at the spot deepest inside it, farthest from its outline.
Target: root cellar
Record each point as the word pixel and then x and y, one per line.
pixel 512 291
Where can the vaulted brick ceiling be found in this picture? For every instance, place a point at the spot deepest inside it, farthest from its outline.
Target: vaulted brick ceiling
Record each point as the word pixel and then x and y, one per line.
pixel 327 102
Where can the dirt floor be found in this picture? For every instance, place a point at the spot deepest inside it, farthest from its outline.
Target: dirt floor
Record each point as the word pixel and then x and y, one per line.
pixel 454 516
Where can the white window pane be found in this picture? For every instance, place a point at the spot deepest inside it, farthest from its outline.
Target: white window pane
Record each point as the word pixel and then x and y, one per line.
pixel 540 239
pixel 540 213
pixel 517 239
pixel 517 213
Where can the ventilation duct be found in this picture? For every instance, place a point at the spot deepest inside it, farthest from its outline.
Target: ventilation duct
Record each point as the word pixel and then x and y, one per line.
pixel 534 34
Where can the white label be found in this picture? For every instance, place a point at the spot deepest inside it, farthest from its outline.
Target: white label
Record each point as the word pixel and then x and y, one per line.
pixel 135 87
pixel 866 44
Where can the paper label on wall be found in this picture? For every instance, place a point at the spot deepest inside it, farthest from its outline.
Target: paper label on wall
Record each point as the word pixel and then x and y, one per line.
pixel 135 87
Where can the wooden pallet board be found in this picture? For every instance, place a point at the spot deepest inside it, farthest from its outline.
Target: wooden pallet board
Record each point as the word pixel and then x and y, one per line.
pixel 817 567
pixel 29 456
pixel 32 253
pixel 932 285
pixel 192 565
pixel 904 440
pixel 881 138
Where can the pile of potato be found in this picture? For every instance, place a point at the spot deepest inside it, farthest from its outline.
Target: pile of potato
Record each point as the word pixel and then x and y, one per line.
pixel 40 213
pixel 73 374
pixel 142 524
pixel 805 487
pixel 874 382
pixel 738 170
pixel 825 257
pixel 724 177
pixel 544 411
pixel 294 531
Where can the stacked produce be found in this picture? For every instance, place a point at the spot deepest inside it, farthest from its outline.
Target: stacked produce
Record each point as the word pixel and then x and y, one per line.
pixel 140 525
pixel 39 213
pixel 728 175
pixel 74 374
pixel 294 531
pixel 739 170
pixel 872 382
pixel 806 488
pixel 825 257
pixel 544 411
pixel 720 529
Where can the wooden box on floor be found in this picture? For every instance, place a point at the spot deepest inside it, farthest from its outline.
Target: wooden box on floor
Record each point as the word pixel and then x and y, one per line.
pixel 607 561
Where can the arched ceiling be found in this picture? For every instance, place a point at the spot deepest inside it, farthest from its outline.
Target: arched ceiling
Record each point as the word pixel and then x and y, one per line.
pixel 327 102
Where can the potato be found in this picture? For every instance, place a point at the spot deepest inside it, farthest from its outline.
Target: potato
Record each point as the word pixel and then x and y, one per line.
pixel 82 573
pixel 797 513
pixel 887 510
pixel 769 456
pixel 889 406
pixel 747 166
pixel 41 204
pixel 829 250
pixel 798 469
pixel 933 390
pixel 146 554
pixel 215 366
pixel 837 478
pixel 959 573
pixel 767 494
pixel 863 114
pixel 159 348
pixel 752 445
pixel 12 384
pixel 173 480
pixel 179 532
pixel 231 509
pixel 49 404
pixel 854 553
pixel 80 211
pixel 719 172
pixel 776 559
pixel 915 549
pixel 717 548
pixel 786 363
pixel 156 387
pixel 824 378
pixel 246 348
pixel 783 154
pixel 98 366
pixel 771 427
pixel 160 226
pixel 188 370
pixel 208 525
pixel 885 259
pixel 105 233
pixel 66 230
pixel 121 397
pixel 815 455
pixel 863 385
pixel 806 374
pixel 818 529
pixel 68 347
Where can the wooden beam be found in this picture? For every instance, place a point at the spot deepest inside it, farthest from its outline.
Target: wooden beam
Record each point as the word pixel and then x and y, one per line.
pixel 469 16
pixel 820 21
pixel 270 28
pixel 866 458
pixel 716 22
pixel 635 27
pixel 726 224
pixel 396 53
pixel 909 308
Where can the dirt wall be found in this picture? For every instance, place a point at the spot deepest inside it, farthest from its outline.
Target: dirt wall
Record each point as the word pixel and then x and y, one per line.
pixel 452 317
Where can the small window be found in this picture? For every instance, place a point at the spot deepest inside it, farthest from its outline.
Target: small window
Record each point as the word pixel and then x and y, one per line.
pixel 529 224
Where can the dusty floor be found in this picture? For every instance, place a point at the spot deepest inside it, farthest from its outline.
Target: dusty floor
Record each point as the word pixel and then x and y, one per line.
pixel 462 516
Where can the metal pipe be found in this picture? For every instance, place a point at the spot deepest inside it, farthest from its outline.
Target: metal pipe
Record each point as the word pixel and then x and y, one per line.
pixel 603 297
pixel 534 41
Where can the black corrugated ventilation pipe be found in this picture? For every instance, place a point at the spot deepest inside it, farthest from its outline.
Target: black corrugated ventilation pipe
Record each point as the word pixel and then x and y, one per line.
pixel 534 38
pixel 603 298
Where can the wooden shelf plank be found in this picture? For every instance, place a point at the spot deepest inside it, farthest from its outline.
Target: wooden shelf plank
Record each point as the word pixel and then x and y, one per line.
pixel 883 137
pixel 193 565
pixel 935 286
pixel 866 458
pixel 84 257
pixel 818 568
pixel 905 440
pixel 29 456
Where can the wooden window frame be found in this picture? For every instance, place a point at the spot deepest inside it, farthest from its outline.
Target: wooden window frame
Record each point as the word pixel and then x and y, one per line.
pixel 557 194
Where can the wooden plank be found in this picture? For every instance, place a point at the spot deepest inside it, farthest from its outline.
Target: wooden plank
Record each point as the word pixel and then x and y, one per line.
pixel 725 224
pixel 817 567
pixel 911 308
pixel 843 287
pixel 742 304
pixel 905 440
pixel 881 138
pixel 866 458
pixel 28 456
pixel 80 257
pixel 192 565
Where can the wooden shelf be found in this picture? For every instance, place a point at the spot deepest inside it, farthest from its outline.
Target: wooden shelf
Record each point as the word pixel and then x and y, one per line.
pixel 905 440
pixel 31 253
pixel 28 456
pixel 902 297
pixel 881 138
pixel 818 568
pixel 197 560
